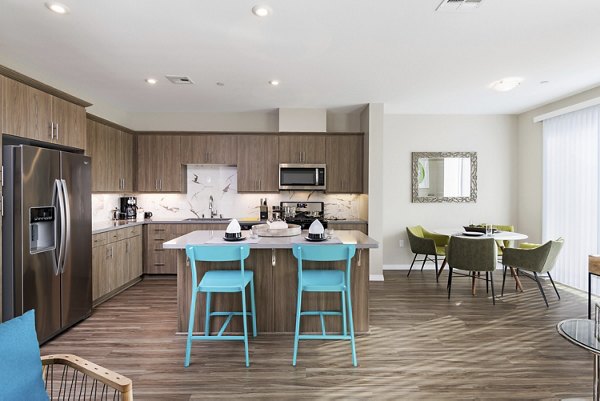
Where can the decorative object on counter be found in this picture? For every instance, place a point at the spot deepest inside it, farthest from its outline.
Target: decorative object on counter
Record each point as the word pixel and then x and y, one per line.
pixel 444 177
pixel 264 209
pixel 233 231
pixel 128 206
pixel 115 214
pixel 304 213
pixel 316 232
pixel 276 229
pixel 147 215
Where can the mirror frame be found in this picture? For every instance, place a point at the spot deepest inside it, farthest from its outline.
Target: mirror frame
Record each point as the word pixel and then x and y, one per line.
pixel 431 199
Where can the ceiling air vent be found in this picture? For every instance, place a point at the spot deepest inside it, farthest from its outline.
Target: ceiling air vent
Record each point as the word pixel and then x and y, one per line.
pixel 458 5
pixel 179 79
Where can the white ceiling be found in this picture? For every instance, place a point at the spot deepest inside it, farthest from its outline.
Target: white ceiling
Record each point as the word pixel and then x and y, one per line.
pixel 327 54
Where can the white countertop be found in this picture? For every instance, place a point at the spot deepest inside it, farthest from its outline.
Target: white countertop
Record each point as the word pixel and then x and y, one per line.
pixel 201 237
pixel 104 226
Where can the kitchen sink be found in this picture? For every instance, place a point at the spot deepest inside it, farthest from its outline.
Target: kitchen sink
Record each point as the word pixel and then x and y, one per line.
pixel 208 219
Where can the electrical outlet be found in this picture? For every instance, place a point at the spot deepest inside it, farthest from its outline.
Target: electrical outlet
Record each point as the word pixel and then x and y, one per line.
pixel 401 243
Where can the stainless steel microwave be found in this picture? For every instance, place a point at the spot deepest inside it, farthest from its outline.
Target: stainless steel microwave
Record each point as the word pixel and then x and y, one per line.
pixel 308 177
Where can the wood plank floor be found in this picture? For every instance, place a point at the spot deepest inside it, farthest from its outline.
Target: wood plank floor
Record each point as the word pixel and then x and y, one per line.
pixel 421 346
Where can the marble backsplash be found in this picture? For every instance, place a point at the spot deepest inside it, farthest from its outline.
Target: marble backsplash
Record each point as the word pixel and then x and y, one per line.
pixel 221 183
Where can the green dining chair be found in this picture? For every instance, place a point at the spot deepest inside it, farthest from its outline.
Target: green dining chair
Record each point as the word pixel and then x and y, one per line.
pixel 534 258
pixel 472 255
pixel 428 244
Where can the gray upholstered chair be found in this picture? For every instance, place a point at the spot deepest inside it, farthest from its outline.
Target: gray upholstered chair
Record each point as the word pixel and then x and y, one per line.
pixel 423 242
pixel 472 255
pixel 534 258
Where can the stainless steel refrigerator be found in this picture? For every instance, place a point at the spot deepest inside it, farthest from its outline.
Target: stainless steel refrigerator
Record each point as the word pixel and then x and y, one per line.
pixel 46 237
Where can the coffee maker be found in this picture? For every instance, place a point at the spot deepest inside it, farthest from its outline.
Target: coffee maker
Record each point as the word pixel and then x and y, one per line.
pixel 128 207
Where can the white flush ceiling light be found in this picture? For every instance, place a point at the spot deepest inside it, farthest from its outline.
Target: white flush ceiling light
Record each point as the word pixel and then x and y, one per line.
pixel 506 84
pixel 261 10
pixel 58 8
pixel 151 81
pixel 274 82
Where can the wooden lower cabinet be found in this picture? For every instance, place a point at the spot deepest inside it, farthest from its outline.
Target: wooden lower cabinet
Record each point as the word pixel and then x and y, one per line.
pixel 116 261
pixel 164 261
pixel 275 292
pixel 362 227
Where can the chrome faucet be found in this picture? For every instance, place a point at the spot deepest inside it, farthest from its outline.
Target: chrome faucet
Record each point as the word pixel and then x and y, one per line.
pixel 213 211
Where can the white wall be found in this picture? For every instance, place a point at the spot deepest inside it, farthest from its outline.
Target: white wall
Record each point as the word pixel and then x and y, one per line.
pixel 302 120
pixel 529 161
pixel 494 138
pixel 372 124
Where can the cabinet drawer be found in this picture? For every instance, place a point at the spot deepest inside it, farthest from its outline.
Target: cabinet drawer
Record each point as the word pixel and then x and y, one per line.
pixel 99 239
pixel 132 231
pixel 116 235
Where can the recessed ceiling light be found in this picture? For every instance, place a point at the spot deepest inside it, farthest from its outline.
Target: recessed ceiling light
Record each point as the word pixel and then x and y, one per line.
pixel 151 81
pixel 58 8
pixel 506 84
pixel 220 84
pixel 274 82
pixel 261 11
pixel 544 82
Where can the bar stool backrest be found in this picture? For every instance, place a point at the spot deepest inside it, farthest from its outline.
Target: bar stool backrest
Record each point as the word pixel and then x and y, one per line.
pixel 216 253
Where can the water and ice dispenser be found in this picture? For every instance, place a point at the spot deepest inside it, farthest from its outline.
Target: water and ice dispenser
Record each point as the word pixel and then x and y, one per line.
pixel 42 229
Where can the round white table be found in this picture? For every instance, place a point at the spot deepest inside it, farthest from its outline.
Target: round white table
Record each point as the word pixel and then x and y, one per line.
pixel 499 236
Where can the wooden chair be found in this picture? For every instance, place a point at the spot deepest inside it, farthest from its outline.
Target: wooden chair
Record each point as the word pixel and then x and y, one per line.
pixel 69 377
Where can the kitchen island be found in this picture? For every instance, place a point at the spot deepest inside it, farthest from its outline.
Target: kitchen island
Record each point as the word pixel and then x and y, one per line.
pixel 275 281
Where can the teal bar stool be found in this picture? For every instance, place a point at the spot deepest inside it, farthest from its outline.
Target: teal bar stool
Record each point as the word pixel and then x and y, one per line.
pixel 220 281
pixel 325 281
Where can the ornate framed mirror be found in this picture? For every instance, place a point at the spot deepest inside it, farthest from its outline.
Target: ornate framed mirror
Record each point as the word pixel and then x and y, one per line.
pixel 444 177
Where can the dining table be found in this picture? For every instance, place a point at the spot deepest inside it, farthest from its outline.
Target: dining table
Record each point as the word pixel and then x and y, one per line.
pixel 498 235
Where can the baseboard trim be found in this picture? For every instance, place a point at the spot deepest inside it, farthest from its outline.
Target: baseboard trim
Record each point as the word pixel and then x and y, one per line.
pixel 428 266
pixel 376 277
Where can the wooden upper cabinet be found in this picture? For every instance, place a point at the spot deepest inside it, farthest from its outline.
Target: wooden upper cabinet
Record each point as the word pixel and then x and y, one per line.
pixel 308 149
pixel 112 155
pixel 258 163
pixel 344 163
pixel 69 123
pixel 126 155
pixel 34 114
pixel 209 149
pixel 27 112
pixel 159 166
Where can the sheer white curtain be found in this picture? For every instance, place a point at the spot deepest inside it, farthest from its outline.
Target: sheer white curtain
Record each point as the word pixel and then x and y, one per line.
pixel 570 191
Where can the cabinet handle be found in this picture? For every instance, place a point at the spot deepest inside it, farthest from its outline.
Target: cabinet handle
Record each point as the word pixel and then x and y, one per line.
pixel 51 130
pixel 127 247
pixel 273 258
pixel 57 131
pixel 260 184
pixel 160 184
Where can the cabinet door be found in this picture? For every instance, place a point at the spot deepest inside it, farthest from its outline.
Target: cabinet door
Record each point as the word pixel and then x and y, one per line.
pixel 209 149
pixel 159 164
pixel 158 260
pixel 125 152
pixel 344 163
pixel 101 265
pixel 258 163
pixel 120 269
pixel 222 149
pixel 27 112
pixel 135 257
pixel 69 123
pixel 302 149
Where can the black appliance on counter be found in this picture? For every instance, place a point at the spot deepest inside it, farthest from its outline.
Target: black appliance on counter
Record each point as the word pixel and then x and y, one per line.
pixel 128 207
pixel 303 213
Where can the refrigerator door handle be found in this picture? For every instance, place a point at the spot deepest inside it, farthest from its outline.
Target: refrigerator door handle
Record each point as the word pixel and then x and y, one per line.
pixel 67 215
pixel 61 217
pixel 56 202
